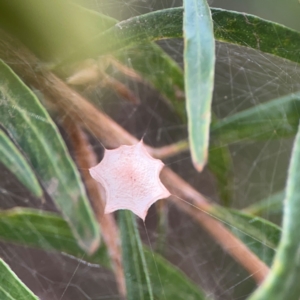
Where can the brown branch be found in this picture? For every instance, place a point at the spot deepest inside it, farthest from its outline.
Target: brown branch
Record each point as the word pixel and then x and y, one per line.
pixel 120 88
pixel 169 150
pixel 85 159
pixel 87 74
pixel 199 209
pixel 113 135
pixel 129 72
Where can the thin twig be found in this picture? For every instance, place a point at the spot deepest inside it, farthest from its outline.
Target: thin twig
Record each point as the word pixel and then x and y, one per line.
pixel 88 74
pixel 85 159
pixel 169 150
pixel 68 102
pixel 120 88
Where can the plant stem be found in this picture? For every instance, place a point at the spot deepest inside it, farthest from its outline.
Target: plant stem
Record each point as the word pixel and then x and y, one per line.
pixel 85 159
pixel 169 150
pixel 187 199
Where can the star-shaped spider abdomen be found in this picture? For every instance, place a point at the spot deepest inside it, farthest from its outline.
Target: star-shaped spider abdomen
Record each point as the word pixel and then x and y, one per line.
pixel 130 177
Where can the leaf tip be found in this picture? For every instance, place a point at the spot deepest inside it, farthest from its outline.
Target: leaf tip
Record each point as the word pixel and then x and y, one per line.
pixel 91 245
pixel 199 161
pixel 199 166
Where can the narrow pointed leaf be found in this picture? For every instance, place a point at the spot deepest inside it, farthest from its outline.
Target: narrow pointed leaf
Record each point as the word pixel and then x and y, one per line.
pixel 13 159
pixel 229 26
pixel 48 231
pixel 199 67
pixel 283 280
pixel 11 287
pixel 138 283
pixel 31 127
pixel 260 236
pixel 274 119
pixel 270 205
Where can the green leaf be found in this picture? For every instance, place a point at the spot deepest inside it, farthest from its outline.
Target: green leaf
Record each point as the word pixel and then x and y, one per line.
pixel 48 231
pixel 270 205
pixel 259 235
pixel 129 33
pixel 274 119
pixel 13 159
pixel 44 230
pixel 199 70
pixel 11 287
pixel 51 29
pixel 283 279
pixel 256 33
pixel 229 26
pixel 31 127
pixel 138 283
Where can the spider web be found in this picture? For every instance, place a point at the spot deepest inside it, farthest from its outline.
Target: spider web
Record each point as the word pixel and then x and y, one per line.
pixel 244 78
